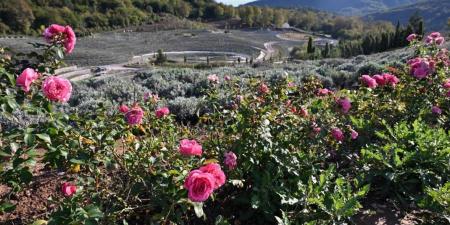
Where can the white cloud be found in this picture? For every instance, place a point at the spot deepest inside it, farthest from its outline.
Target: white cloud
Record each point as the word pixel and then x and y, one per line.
pixel 234 2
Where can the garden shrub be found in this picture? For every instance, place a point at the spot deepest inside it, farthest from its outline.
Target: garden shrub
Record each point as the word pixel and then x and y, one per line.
pixel 266 149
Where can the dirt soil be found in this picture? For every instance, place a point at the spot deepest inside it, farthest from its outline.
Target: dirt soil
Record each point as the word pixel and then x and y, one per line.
pixel 32 203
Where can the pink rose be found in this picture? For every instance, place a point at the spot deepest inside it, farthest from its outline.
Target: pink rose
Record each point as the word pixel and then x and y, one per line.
pixel 344 104
pixel 227 78
pixel 323 92
pixel 135 115
pixel 213 78
pixel 446 84
pixel 436 110
pixel 190 148
pixel 421 67
pixel 124 109
pixel 215 170
pixel 337 134
pixel 230 160
pixel 369 81
pixel 443 56
pixel 200 185
pixel 57 89
pixel 162 112
pixel 304 112
pixel 317 129
pixel 391 79
pixel 435 35
pixel 353 134
pixel 411 37
pixel 26 78
pixel 68 189
pixel 61 35
pixel 52 31
pixel 263 88
pixel 439 40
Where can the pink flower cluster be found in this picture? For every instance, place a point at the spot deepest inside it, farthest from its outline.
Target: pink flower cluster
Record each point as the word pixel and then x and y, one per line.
pixel 379 80
pixel 202 182
pixel 421 67
pixel 435 38
pixel 339 135
pixel 56 89
pixel 57 34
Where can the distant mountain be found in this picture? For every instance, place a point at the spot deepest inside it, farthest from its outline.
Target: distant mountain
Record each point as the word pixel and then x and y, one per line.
pixel 348 7
pixel 435 13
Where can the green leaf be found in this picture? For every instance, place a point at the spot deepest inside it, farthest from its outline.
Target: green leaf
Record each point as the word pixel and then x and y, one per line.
pixel 25 175
pixel 93 211
pixel 28 139
pixel 60 53
pixel 77 161
pixel 7 207
pixel 44 137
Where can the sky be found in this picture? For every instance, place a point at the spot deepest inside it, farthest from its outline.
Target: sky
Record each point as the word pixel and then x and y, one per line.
pixel 234 2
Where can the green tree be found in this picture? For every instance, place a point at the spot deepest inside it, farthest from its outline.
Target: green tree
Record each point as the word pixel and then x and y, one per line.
pixel 326 51
pixel 310 49
pixel 161 58
pixel 17 14
pixel 278 18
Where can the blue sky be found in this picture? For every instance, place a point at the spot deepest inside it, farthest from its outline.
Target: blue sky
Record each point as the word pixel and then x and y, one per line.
pixel 234 2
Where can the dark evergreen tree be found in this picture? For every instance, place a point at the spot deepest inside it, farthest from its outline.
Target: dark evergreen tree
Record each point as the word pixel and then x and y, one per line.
pixel 310 49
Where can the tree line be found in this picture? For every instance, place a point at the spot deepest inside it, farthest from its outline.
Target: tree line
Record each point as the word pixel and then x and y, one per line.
pixel 30 16
pixel 369 43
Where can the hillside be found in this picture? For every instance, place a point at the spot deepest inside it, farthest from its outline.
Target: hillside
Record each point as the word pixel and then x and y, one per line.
pixel 348 7
pixel 435 13
pixel 29 16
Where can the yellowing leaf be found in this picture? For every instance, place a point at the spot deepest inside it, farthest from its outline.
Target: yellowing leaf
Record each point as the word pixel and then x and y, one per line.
pixel 208 161
pixel 75 168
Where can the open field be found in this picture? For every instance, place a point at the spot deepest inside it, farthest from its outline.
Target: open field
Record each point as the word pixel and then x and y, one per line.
pixel 120 47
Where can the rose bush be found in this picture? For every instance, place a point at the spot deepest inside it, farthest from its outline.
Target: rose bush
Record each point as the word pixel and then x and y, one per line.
pixel 299 154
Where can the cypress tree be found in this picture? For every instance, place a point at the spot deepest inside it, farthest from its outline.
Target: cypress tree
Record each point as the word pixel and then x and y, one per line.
pixel 326 51
pixel 421 28
pixel 398 34
pixel 310 49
